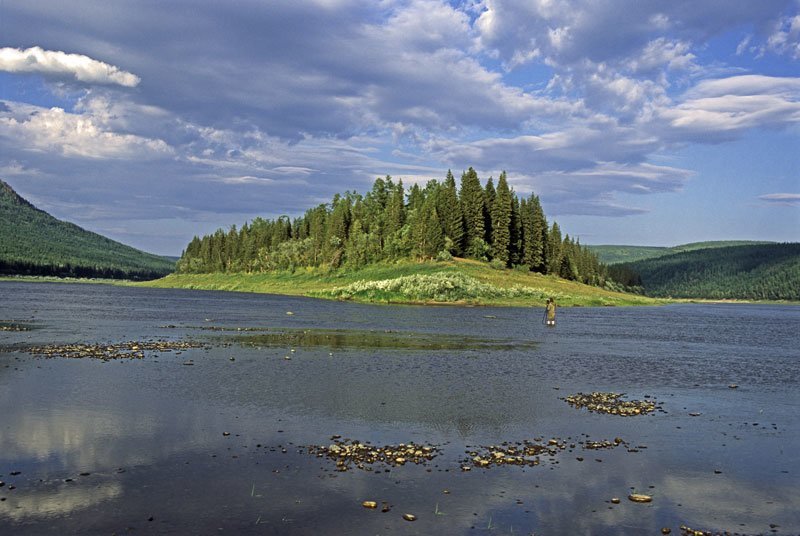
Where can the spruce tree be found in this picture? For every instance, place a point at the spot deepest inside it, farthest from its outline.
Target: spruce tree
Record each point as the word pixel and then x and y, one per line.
pixel 515 249
pixel 501 220
pixel 553 249
pixel 489 194
pixel 426 231
pixel 472 202
pixel 526 231
pixel 538 258
pixel 448 209
pixel 395 209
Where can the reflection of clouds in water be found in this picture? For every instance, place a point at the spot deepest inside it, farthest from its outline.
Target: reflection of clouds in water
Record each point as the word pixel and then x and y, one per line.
pixel 708 500
pixel 91 439
pixel 67 499
pixel 40 436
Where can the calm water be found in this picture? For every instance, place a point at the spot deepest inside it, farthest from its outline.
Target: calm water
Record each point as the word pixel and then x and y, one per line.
pixel 138 446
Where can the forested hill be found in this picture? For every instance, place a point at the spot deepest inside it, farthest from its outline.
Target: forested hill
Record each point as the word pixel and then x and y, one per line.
pixel 32 242
pixel 439 220
pixel 753 272
pixel 614 254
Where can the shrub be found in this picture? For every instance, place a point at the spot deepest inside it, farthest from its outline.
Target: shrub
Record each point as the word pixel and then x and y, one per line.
pixel 440 287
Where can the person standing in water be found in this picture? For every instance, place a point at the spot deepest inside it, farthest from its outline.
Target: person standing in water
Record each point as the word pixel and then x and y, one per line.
pixel 550 312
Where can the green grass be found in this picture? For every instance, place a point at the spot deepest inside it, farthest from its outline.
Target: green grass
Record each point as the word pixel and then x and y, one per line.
pixel 456 282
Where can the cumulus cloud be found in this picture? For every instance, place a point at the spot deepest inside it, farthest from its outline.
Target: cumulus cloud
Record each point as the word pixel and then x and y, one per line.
pixel 54 130
pixel 61 64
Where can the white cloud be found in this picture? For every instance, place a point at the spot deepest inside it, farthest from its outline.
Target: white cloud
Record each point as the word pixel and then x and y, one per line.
pixel 62 64
pixel 54 130
pixel 715 110
pixel 785 39
pixel 663 53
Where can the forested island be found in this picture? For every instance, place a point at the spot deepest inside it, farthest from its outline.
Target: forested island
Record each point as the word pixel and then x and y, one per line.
pixel 438 221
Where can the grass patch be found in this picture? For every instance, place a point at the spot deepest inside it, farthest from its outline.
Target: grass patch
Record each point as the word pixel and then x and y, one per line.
pixel 456 282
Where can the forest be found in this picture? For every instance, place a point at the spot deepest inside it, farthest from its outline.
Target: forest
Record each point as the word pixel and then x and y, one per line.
pixel 436 221
pixel 749 272
pixel 32 242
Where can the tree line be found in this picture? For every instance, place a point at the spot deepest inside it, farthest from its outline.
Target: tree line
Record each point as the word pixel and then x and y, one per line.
pixel 29 268
pixel 436 221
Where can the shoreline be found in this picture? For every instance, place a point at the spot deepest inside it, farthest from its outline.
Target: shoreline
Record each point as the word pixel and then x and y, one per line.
pixel 277 284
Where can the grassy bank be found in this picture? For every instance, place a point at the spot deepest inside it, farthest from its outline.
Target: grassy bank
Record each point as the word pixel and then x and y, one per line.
pixel 456 282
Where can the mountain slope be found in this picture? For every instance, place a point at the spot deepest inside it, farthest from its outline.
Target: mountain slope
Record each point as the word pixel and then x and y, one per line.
pixel 614 254
pixel 32 242
pixel 758 272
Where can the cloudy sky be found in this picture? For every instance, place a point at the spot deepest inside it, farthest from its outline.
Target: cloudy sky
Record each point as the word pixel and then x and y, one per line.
pixel 635 121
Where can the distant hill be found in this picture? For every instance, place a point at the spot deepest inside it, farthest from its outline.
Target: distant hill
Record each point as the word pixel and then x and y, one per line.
pixel 32 242
pixel 614 254
pixel 768 271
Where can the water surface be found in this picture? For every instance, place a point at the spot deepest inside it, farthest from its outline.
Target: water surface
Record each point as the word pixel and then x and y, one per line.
pixel 158 445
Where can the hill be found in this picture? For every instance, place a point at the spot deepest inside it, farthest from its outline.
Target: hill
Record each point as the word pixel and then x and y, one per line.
pixel 768 271
pixel 615 254
pixel 32 242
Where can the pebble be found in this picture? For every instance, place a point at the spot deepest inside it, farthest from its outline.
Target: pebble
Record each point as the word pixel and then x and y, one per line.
pixel 350 453
pixel 105 352
pixel 611 404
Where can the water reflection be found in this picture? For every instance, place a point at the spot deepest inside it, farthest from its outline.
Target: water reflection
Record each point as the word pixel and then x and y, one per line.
pixel 374 340
pixel 59 499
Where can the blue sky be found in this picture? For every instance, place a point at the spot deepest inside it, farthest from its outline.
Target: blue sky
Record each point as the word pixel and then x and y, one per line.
pixel 636 122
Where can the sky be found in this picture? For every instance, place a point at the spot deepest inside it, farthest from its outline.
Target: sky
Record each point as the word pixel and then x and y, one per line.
pixel 636 122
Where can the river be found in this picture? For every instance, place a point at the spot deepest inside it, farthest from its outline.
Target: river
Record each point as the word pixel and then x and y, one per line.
pixel 223 437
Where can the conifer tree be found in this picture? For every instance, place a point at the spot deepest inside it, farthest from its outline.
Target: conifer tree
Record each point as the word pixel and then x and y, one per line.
pixel 538 236
pixel 426 230
pixel 472 202
pixel 448 208
pixel 489 194
pixel 501 220
pixel 395 209
pixel 526 234
pixel 415 198
pixel 515 229
pixel 553 248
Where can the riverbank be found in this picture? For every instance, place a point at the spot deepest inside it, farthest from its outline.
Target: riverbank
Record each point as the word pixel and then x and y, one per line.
pixel 457 282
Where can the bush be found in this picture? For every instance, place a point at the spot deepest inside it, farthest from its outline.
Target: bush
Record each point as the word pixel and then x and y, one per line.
pixel 497 264
pixel 444 256
pixel 439 287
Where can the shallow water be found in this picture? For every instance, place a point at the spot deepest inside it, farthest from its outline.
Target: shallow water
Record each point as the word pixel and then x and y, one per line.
pixel 150 432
